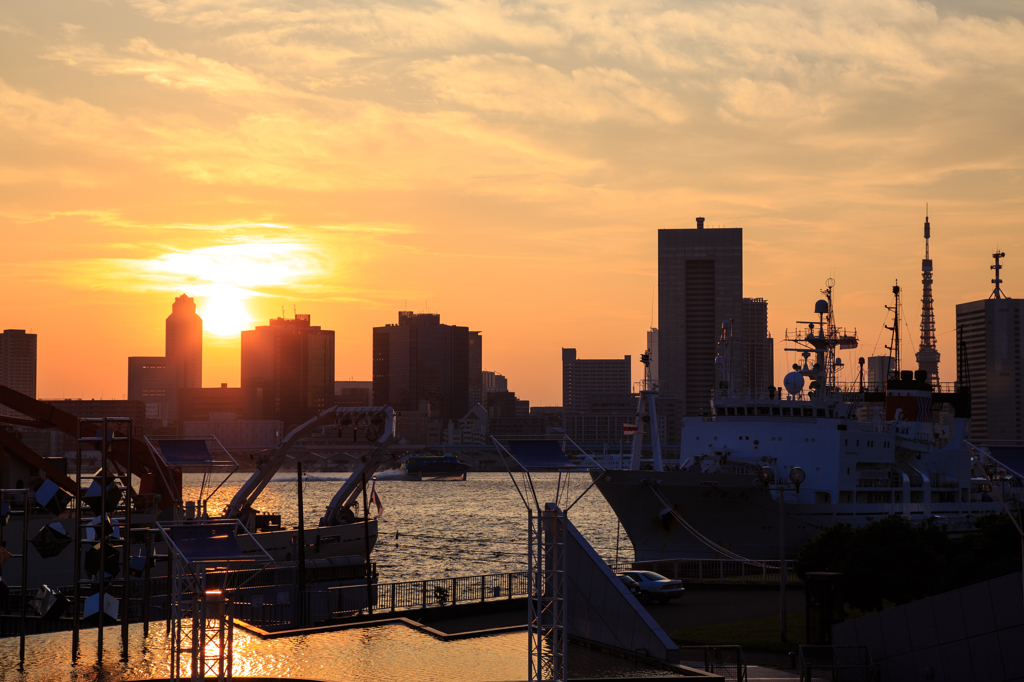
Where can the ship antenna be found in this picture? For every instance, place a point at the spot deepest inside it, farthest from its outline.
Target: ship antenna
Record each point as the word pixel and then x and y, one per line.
pixel 894 348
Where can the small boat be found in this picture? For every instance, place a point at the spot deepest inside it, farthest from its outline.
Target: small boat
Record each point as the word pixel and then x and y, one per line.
pixel 431 467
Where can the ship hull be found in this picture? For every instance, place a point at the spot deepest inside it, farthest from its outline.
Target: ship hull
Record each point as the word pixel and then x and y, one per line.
pixel 736 515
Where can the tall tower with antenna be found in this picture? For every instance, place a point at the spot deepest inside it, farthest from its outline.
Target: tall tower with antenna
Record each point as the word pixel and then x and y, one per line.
pixel 928 355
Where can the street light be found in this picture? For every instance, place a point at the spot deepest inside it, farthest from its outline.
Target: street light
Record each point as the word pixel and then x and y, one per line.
pixel 796 476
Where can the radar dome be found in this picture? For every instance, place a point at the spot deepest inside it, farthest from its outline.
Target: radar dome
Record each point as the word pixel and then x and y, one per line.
pixel 794 382
pixel 821 307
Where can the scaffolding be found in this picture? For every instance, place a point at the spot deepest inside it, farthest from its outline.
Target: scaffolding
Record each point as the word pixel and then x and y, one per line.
pixel 204 560
pixel 548 530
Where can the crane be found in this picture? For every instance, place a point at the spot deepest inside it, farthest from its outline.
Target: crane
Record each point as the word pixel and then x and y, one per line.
pixel 378 427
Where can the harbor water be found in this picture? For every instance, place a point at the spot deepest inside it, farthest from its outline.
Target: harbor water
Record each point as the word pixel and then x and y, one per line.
pixel 429 529
pixel 439 529
pixel 381 653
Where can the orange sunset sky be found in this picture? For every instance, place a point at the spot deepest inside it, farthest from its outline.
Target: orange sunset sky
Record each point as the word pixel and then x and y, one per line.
pixel 506 164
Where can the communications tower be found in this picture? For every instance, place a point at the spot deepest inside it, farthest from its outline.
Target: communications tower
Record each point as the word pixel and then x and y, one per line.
pixel 928 355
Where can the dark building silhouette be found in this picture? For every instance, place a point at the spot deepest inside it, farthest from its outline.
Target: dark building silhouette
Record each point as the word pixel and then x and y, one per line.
pixel 582 379
pixel 420 359
pixel 700 285
pixel 597 398
pixel 758 351
pixel 18 358
pixel 476 366
pixel 155 380
pixel 289 364
pixel 205 404
pixel 991 354
pixel 183 342
pixel 353 393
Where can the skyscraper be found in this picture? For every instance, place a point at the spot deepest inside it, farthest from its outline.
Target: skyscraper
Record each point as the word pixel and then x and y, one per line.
pixel 18 356
pixel 582 380
pixel 597 398
pixel 928 355
pixel 700 286
pixel 184 342
pixel 990 354
pixel 758 351
pixel 155 380
pixel 420 359
pixel 290 365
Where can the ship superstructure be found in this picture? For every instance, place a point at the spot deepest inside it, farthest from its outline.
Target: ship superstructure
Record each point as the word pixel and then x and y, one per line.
pixel 865 455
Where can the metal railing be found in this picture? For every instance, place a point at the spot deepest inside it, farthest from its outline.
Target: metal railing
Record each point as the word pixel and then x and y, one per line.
pixel 349 601
pixel 725 660
pixel 714 570
pixel 836 663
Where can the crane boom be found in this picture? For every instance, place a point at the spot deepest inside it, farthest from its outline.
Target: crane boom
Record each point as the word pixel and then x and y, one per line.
pixel 379 427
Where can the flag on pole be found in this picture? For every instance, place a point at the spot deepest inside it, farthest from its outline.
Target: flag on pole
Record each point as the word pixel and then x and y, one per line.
pixel 375 498
pixel 629 429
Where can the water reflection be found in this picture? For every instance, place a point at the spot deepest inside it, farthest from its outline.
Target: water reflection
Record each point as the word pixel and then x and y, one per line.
pixel 371 654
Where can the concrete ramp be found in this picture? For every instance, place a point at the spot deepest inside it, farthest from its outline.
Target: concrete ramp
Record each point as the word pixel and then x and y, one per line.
pixel 601 609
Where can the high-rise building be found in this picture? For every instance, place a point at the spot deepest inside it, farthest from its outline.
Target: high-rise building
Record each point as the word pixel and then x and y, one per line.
pixel 492 382
pixel 155 380
pixel 476 369
pixel 758 351
pixel 700 286
pixel 353 393
pixel 420 359
pixel 879 367
pixel 290 365
pixel 582 380
pixel 989 353
pixel 597 398
pixel 18 356
pixel 928 354
pixel 184 342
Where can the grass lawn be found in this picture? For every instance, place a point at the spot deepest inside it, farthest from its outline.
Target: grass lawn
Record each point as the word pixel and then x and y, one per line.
pixel 756 633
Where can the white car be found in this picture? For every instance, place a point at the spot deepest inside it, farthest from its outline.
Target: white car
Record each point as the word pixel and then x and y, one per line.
pixel 654 586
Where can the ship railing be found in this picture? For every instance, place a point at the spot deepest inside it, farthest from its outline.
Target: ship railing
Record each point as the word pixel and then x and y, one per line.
pixel 721 571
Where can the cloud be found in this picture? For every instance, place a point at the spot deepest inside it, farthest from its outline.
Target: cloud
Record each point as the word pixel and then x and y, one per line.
pixel 517 85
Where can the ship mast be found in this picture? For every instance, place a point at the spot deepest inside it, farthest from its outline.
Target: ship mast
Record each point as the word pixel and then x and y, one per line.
pixel 928 354
pixel 894 349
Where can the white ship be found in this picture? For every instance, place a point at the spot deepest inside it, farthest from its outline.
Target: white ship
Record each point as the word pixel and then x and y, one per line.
pixel 861 456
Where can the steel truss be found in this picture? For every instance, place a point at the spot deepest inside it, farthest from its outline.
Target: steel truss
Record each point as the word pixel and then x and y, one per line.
pixel 547 612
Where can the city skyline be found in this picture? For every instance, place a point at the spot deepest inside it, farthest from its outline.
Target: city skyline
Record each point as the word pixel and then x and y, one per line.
pixel 508 166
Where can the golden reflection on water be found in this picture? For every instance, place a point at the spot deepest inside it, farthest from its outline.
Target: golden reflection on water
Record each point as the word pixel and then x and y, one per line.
pixel 383 653
pixel 380 653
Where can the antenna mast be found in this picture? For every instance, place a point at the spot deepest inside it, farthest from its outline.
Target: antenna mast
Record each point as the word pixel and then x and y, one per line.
pixel 894 349
pixel 928 355
pixel 998 293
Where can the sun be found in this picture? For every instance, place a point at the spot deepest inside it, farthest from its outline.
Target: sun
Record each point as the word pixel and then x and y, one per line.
pixel 224 312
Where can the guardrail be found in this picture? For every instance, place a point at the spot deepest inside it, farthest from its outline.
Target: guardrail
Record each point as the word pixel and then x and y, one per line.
pixel 726 660
pixel 714 570
pixel 352 600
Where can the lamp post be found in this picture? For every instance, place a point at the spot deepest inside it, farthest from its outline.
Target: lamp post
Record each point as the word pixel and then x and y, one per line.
pixel 796 476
